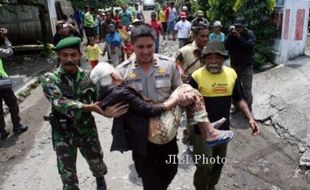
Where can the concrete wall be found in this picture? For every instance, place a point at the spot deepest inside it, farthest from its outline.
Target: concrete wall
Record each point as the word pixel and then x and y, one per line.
pixel 294 30
pixel 52 14
pixel 23 22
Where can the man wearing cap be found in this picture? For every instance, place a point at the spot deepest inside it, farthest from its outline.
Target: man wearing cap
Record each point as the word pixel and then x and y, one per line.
pixel 218 84
pixel 182 28
pixel 154 77
pixel 72 96
pixel 199 18
pixel 158 28
pixel 188 60
pixel 217 34
pixel 240 44
pixel 188 57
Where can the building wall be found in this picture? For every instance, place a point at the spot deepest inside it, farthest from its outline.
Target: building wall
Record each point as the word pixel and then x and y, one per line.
pixel 52 15
pixel 23 22
pixel 294 30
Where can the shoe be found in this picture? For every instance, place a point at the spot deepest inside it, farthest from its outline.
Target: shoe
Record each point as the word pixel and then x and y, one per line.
pixel 20 128
pixel 3 134
pixel 224 138
pixel 101 184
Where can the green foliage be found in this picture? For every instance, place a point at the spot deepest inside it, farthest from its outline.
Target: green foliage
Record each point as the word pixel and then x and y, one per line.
pixel 98 3
pixel 202 5
pixel 221 10
pixel 258 14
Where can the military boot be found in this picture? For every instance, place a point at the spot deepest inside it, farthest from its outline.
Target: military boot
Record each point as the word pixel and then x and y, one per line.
pixel 3 133
pixel 101 184
pixel 19 128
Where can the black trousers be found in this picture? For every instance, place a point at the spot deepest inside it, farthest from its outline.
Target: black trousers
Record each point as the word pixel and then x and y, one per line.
pixel 11 101
pixel 155 173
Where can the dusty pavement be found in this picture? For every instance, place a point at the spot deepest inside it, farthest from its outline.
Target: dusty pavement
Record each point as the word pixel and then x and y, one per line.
pixel 268 161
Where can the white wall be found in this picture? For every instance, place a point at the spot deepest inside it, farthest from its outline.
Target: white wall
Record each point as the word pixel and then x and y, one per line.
pixel 290 46
pixel 53 14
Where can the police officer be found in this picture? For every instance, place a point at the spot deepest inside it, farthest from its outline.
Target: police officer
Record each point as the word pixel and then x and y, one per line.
pixel 154 77
pixel 72 95
pixel 7 94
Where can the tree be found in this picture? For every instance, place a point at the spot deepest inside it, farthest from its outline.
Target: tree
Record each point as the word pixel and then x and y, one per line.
pixel 203 5
pixel 259 14
pixel 222 10
pixel 98 3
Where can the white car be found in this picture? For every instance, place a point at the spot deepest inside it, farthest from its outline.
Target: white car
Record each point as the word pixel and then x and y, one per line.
pixel 149 4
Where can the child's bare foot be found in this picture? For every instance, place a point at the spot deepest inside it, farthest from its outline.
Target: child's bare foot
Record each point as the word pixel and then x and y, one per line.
pixel 217 124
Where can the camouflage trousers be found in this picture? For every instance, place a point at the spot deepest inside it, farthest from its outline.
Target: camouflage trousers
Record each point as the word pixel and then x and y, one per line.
pixel 66 145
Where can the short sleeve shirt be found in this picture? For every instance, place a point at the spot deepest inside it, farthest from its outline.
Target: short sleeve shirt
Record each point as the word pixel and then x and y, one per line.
pixel 125 17
pixel 183 28
pixel 218 90
pixel 156 25
pixel 157 84
pixel 189 57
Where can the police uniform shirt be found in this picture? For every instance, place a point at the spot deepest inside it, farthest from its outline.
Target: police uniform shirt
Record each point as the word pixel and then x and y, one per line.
pixel 217 90
pixel 157 84
pixel 189 57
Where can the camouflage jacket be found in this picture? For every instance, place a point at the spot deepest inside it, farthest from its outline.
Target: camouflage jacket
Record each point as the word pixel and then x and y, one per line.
pixel 67 94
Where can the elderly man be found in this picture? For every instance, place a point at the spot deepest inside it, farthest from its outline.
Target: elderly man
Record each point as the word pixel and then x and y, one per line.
pixel 188 57
pixel 218 84
pixel 188 60
pixel 72 96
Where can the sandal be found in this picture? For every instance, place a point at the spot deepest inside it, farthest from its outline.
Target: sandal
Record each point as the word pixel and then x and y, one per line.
pixel 225 137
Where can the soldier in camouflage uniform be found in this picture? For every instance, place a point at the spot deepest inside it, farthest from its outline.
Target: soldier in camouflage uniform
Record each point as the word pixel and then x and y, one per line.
pixel 72 95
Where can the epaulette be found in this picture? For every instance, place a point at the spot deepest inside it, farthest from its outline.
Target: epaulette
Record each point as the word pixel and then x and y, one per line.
pixel 127 62
pixel 165 58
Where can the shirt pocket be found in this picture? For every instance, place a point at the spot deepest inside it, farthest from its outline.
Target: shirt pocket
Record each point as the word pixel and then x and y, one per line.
pixel 138 86
pixel 163 88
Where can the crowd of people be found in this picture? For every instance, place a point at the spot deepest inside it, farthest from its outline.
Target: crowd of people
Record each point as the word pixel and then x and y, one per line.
pixel 145 91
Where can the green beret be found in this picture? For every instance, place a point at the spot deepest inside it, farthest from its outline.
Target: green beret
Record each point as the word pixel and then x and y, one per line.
pixel 68 42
